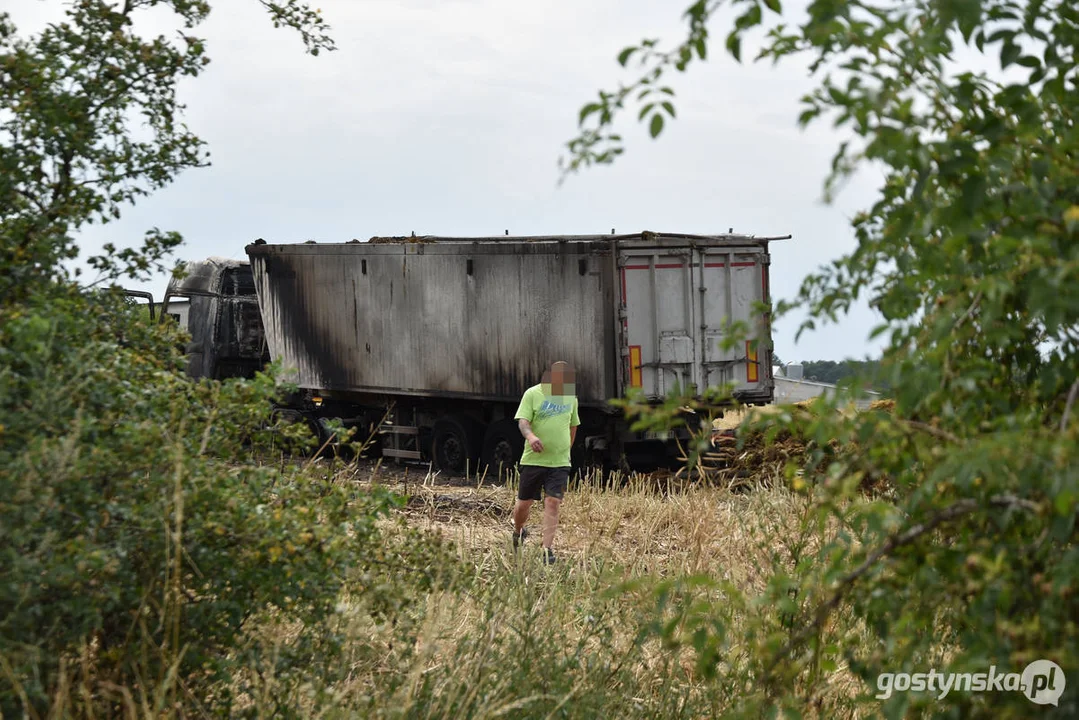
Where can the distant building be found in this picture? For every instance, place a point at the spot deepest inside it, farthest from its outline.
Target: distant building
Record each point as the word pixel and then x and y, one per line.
pixel 791 387
pixel 178 310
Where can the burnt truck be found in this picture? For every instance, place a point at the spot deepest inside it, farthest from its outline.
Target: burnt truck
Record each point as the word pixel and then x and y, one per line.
pixel 427 343
pixel 214 300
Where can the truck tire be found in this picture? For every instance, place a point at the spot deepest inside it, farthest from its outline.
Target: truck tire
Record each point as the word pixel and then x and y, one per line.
pixel 502 448
pixel 287 416
pixel 581 466
pixel 454 442
pixel 326 439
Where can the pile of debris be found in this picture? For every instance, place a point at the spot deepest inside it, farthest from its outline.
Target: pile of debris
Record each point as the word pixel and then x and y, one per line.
pixel 887 405
pixel 738 455
pixel 755 463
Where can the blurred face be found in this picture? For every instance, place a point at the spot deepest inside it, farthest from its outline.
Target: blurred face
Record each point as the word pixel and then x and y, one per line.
pixel 561 379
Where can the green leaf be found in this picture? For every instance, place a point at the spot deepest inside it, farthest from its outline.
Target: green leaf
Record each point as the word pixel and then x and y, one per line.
pixel 656 126
pixel 624 56
pixel 967 14
pixel 587 110
pixel 734 46
pixel 808 116
pixel 669 107
pixel 774 6
pixel 1009 53
pixel 754 15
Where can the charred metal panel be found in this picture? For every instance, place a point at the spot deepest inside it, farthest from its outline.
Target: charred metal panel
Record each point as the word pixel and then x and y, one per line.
pixel 224 321
pixel 467 319
pixel 240 343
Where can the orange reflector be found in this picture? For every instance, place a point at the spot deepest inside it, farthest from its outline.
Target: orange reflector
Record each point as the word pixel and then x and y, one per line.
pixel 635 366
pixel 752 367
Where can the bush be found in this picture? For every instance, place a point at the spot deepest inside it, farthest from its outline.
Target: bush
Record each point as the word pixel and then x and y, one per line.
pixel 139 547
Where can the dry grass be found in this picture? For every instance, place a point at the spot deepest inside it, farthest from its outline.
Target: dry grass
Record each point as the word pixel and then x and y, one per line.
pixel 640 526
pixel 605 537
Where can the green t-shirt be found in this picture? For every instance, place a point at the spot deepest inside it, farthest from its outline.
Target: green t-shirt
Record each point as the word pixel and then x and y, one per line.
pixel 551 416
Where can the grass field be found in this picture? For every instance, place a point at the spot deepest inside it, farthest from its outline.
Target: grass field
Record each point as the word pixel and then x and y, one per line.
pixel 521 639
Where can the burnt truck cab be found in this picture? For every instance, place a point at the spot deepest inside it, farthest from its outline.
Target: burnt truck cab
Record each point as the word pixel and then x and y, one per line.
pixel 214 300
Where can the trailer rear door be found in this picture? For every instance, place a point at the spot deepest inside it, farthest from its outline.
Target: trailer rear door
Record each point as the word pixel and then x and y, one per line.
pixel 678 304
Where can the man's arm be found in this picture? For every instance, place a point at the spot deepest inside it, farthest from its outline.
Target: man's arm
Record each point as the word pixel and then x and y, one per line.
pixel 530 437
pixel 574 422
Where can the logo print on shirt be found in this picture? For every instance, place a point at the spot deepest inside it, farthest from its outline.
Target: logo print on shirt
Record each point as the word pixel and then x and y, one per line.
pixel 550 409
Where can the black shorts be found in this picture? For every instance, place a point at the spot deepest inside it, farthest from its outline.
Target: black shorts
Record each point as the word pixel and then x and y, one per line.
pixel 551 480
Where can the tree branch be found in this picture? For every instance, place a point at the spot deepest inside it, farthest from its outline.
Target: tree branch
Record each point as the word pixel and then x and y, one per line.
pixel 1068 405
pixel 970 311
pixel 933 430
pixel 31 198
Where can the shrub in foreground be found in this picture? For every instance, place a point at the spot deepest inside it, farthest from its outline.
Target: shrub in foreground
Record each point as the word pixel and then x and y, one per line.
pixel 139 548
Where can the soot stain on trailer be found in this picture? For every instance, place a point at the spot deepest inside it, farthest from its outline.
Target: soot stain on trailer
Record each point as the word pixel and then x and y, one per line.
pixel 493 350
pixel 504 379
pixel 510 377
pixel 299 323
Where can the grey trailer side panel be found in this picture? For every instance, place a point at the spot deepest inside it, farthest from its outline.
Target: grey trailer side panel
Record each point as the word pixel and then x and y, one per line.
pixel 471 320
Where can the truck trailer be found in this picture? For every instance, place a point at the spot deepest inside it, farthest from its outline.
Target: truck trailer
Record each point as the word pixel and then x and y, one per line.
pixel 429 342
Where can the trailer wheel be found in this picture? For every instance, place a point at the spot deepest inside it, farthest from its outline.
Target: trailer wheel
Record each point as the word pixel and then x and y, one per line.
pixel 326 439
pixel 453 444
pixel 300 443
pixel 579 457
pixel 502 448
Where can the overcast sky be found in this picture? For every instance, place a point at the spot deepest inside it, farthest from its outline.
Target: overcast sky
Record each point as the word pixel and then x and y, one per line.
pixel 447 117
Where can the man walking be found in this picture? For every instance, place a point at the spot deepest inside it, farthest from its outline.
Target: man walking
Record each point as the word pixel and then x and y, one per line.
pixel 548 420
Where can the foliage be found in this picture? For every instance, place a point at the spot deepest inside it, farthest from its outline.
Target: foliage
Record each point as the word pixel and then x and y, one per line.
pixel 90 121
pixel 146 561
pixel 971 256
pixel 144 549
pixel 831 371
pixel 131 543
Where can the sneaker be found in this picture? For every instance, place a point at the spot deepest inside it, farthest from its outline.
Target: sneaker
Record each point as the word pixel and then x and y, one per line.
pixel 518 538
pixel 548 556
